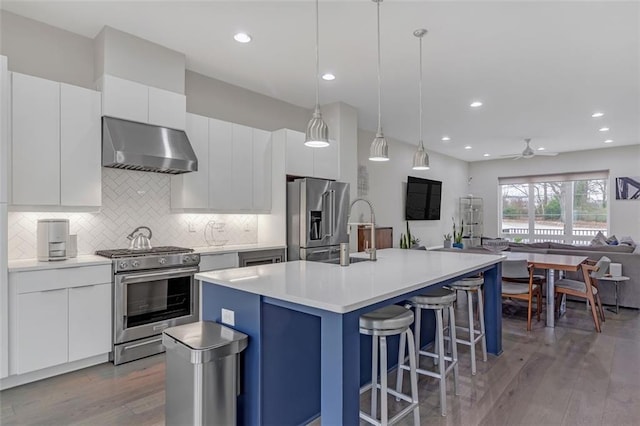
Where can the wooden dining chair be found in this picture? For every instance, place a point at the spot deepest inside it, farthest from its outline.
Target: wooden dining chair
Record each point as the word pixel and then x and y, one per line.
pixel 587 289
pixel 513 288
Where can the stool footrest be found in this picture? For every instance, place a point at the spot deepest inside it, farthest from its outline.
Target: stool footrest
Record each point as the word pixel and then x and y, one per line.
pixel 395 419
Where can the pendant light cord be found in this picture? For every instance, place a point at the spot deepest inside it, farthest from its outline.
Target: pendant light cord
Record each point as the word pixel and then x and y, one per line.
pixel 379 79
pixel 420 89
pixel 317 59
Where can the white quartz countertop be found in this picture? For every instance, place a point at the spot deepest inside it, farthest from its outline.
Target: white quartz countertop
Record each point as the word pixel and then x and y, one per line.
pixel 344 289
pixel 22 265
pixel 236 248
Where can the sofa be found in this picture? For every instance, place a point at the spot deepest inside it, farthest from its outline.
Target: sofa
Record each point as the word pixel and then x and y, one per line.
pixel 628 291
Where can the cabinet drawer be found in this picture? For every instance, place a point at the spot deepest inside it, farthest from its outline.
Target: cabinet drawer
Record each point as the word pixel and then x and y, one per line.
pixel 211 262
pixel 50 279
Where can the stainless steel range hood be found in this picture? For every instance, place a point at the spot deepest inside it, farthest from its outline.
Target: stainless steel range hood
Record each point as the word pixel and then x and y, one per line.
pixel 137 146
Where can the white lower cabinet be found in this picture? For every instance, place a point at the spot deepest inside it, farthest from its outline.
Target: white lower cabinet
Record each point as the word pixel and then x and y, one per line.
pixel 212 262
pixel 89 321
pixel 59 316
pixel 41 328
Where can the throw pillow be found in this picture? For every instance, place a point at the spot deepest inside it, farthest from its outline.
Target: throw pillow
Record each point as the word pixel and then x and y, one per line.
pixel 612 241
pixel 599 240
pixel 627 241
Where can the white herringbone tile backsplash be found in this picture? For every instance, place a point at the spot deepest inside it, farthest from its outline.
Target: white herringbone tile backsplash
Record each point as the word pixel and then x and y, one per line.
pixel 131 199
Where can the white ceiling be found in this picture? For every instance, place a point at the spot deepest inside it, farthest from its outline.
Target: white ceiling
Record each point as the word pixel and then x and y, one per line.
pixel 541 68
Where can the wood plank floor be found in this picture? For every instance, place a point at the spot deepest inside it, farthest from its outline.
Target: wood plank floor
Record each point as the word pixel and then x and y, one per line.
pixel 569 375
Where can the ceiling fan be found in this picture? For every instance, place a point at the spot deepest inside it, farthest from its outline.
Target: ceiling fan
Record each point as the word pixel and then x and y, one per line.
pixel 529 152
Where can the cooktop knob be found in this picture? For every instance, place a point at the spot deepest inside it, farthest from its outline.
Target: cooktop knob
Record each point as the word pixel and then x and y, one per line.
pixel 186 259
pixel 162 260
pixel 135 263
pixel 124 265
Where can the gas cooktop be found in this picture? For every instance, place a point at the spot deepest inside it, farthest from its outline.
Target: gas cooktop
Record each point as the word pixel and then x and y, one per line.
pixel 118 253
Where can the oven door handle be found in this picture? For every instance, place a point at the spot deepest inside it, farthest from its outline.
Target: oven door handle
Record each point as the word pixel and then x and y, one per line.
pixel 174 273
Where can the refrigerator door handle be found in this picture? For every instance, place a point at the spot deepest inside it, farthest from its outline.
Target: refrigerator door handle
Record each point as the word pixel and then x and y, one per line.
pixel 330 212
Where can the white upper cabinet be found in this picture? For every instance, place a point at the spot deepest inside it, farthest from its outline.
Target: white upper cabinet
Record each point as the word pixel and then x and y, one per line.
pixel 56 144
pixel 220 167
pixel 35 143
pixel 262 157
pixel 234 169
pixel 241 197
pixel 134 101
pixel 326 161
pixel 191 190
pixel 80 154
pixel 299 157
pixel 124 99
pixel 310 162
pixel 167 108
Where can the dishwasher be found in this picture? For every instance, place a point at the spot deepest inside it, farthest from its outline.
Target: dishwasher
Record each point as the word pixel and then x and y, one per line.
pixel 260 257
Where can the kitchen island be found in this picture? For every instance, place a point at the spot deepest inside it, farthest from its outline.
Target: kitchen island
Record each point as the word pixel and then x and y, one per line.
pixel 302 320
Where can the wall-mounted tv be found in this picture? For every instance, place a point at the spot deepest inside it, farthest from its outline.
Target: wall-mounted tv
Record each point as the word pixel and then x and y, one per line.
pixel 423 199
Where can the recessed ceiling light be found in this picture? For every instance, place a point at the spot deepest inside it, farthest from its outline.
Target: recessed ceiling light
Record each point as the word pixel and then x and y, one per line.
pixel 446 139
pixel 597 114
pixel 467 147
pixel 541 148
pixel 609 141
pixel 486 155
pixel 328 76
pixel 242 37
pixel 604 129
pixel 475 104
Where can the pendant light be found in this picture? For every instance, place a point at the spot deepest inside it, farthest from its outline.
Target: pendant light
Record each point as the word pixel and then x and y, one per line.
pixel 420 158
pixel 317 134
pixel 379 150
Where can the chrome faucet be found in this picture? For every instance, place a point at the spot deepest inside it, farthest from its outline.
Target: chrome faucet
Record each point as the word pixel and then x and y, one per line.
pixel 371 224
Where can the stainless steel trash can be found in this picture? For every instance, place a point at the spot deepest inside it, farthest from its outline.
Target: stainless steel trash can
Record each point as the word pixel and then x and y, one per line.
pixel 202 373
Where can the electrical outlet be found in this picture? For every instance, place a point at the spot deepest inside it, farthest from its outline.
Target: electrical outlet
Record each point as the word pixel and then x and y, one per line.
pixel 228 317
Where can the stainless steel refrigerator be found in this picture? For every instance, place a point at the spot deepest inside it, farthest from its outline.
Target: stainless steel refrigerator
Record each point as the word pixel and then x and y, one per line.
pixel 317 212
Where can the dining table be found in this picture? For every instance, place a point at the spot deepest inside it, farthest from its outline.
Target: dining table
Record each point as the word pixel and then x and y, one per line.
pixel 551 263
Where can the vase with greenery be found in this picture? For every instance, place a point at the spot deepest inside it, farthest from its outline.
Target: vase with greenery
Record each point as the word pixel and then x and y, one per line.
pixel 447 240
pixel 457 235
pixel 407 240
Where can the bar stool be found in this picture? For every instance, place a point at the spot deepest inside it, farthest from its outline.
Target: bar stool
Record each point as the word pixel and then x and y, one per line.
pixel 437 300
pixel 472 285
pixel 389 321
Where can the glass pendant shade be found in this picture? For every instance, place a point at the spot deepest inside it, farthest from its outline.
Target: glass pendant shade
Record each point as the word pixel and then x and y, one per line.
pixel 317 134
pixel 379 150
pixel 421 159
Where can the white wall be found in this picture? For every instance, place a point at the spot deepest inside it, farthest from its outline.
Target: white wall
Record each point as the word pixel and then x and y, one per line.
pixel 133 58
pixel 214 98
pixel 624 216
pixel 387 188
pixel 39 49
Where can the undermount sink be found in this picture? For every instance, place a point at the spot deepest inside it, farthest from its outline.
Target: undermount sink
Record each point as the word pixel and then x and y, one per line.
pixel 351 260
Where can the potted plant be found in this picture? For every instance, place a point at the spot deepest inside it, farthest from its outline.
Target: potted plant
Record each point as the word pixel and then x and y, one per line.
pixel 408 241
pixel 457 235
pixel 447 240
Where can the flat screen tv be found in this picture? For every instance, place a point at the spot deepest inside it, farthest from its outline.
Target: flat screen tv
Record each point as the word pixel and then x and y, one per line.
pixel 423 199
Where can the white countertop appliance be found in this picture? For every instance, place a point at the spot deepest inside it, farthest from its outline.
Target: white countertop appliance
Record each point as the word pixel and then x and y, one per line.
pixel 153 289
pixel 53 239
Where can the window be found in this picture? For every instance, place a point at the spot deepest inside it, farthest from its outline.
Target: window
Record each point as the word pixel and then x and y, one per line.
pixel 569 208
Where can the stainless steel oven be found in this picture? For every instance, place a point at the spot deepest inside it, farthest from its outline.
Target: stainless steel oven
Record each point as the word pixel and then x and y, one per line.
pixel 152 291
